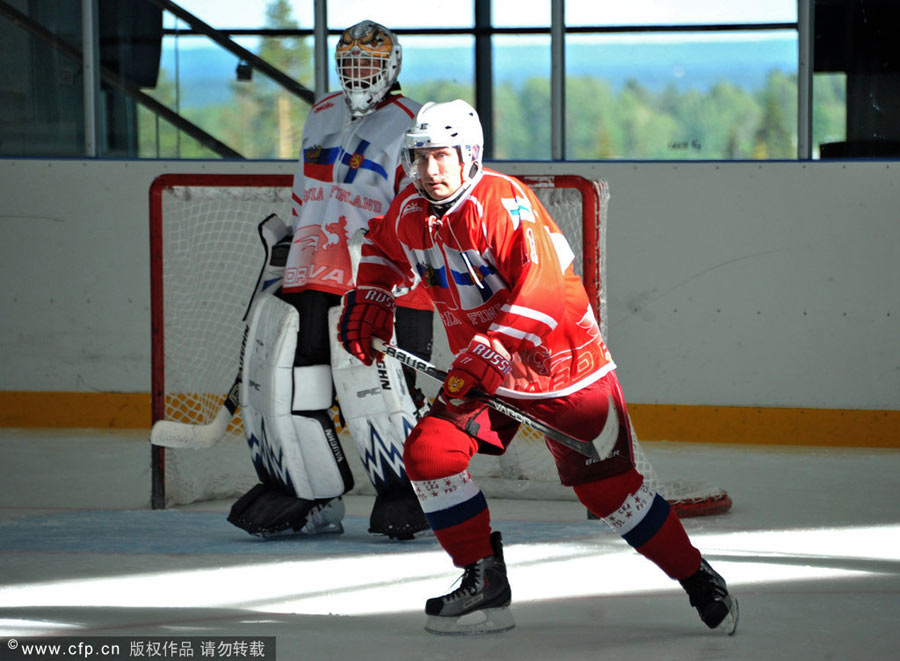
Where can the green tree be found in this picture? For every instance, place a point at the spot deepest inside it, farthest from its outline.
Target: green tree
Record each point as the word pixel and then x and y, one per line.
pixel 533 124
pixel 735 114
pixel 267 120
pixel 591 132
pixel 647 132
pixel 829 108
pixel 438 90
pixel 775 137
pixel 512 136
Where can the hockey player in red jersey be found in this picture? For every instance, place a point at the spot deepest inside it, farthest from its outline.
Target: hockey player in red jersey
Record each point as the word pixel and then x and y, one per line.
pixel 520 324
pixel 349 171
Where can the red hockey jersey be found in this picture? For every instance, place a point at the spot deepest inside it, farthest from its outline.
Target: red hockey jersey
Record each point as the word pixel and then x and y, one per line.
pixel 495 263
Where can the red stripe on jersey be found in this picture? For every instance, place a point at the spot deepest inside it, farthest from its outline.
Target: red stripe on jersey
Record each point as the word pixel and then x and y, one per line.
pixel 319 171
pixel 324 100
pixel 397 100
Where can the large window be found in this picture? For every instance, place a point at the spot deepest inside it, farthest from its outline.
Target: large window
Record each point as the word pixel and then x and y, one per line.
pixel 641 80
pixel 687 80
pixel 685 95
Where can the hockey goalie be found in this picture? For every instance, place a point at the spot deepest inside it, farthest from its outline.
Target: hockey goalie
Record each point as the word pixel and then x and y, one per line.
pixel 293 368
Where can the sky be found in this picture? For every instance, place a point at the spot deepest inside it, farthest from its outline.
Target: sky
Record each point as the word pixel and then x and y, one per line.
pixel 457 13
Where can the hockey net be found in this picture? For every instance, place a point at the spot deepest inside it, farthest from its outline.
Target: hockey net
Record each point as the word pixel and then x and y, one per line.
pixel 205 258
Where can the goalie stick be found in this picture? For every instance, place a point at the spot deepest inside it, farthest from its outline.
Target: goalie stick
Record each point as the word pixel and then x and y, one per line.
pixel 596 449
pixel 173 434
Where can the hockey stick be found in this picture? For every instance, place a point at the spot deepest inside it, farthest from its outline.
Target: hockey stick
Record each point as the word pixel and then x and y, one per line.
pixel 172 434
pixel 596 449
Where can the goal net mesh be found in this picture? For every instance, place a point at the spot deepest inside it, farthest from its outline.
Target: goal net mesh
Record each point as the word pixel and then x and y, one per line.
pixel 205 258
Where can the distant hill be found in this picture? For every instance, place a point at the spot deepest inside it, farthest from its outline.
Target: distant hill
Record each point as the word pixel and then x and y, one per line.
pixel 205 73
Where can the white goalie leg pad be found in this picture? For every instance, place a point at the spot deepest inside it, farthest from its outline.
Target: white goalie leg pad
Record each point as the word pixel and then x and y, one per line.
pixel 322 452
pixel 377 408
pixel 292 449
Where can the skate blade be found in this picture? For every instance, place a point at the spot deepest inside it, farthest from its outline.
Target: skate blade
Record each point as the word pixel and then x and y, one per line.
pixel 404 536
pixel 487 620
pixel 729 624
pixel 326 529
pixel 306 531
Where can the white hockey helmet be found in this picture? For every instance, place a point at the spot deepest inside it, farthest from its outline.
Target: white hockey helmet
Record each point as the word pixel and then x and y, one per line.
pixel 368 59
pixel 451 124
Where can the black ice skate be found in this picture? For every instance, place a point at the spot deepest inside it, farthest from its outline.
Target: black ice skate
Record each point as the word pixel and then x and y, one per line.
pixel 709 595
pixel 267 512
pixel 397 514
pixel 480 604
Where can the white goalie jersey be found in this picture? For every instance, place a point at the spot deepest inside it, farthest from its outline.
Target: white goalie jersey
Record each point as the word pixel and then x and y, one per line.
pixel 349 171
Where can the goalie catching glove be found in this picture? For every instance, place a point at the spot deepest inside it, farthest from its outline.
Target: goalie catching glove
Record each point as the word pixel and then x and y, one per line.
pixel 483 365
pixel 367 311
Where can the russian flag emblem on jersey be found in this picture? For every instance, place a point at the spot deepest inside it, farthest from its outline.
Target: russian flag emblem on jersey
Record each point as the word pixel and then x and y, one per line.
pixel 318 163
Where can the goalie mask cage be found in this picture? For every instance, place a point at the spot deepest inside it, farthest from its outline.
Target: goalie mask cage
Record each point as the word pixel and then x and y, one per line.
pixel 205 256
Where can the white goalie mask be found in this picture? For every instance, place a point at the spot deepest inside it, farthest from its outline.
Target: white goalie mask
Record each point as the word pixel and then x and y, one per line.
pixel 368 59
pixel 452 124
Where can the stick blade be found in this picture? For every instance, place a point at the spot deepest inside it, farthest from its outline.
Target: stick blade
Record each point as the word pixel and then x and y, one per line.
pixel 171 434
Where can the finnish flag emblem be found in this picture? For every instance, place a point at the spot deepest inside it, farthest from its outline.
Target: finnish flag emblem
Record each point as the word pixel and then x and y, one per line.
pixel 517 210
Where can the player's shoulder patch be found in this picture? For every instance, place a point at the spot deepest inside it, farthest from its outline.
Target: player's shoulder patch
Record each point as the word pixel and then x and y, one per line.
pixel 407 201
pixel 517 198
pixel 411 204
pixel 519 210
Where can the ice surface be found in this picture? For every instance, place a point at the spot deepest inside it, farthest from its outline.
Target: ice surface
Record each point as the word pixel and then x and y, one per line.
pixel 810 548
